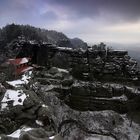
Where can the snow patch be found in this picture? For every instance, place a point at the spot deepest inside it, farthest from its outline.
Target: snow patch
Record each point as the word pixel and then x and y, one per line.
pixel 44 106
pixel 24 80
pixel 62 70
pixel 17 97
pixel 18 132
pixel 123 98
pixel 64 48
pixel 39 122
pixel 52 137
pixel 26 77
pixel 16 83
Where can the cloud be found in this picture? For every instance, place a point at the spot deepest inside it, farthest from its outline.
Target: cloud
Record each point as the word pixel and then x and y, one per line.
pixel 121 10
pixel 91 20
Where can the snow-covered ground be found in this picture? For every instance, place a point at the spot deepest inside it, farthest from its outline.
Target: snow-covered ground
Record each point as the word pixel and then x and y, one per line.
pixel 17 96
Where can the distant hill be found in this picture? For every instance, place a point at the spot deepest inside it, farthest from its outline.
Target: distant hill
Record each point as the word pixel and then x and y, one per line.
pixel 13 31
pixel 79 43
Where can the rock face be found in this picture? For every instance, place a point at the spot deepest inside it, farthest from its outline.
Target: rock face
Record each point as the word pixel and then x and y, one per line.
pixel 96 96
pixel 58 105
pixel 104 65
pixel 90 64
pixel 77 122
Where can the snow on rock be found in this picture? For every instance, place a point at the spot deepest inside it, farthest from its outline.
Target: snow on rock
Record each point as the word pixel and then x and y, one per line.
pixel 64 48
pixel 52 137
pixel 26 77
pixel 63 70
pixel 17 97
pixel 16 83
pixel 44 106
pixel 24 80
pixel 39 122
pixel 18 132
pixel 123 98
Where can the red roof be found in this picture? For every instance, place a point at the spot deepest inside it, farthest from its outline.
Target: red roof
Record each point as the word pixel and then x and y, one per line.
pixel 19 61
pixel 23 69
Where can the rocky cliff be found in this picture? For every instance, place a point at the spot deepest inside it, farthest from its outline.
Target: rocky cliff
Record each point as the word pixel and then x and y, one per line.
pixel 96 96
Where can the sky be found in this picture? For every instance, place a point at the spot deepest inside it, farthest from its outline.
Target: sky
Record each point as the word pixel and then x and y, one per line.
pixel 93 21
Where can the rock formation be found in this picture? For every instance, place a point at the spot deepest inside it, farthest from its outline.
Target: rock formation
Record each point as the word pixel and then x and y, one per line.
pixel 97 95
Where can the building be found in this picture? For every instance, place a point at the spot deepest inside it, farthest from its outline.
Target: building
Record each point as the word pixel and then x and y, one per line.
pixel 19 66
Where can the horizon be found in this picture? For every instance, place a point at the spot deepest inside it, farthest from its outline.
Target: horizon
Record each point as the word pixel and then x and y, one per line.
pixel 92 21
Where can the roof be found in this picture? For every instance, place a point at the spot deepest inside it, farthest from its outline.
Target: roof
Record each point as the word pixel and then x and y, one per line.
pixel 23 69
pixel 19 61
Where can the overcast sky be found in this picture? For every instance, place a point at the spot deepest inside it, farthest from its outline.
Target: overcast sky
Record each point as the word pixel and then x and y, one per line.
pixel 92 20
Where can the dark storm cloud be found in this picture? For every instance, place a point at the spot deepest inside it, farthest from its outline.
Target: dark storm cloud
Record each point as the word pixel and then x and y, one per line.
pixel 128 10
